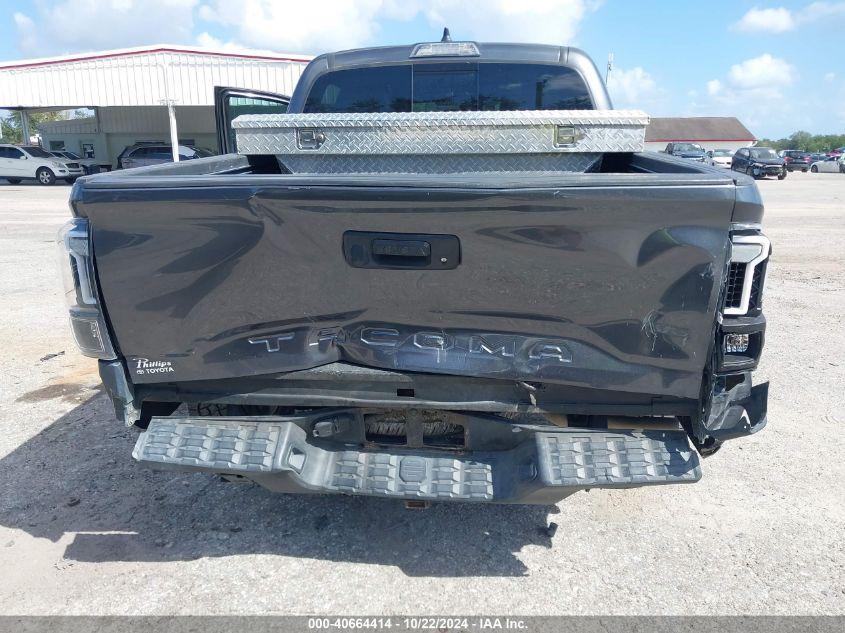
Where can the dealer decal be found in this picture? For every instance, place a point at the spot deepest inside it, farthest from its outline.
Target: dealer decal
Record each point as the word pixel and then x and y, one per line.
pixel 145 366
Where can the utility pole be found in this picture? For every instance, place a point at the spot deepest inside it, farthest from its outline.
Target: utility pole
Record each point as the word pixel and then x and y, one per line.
pixel 174 133
pixel 25 130
pixel 171 113
pixel 609 68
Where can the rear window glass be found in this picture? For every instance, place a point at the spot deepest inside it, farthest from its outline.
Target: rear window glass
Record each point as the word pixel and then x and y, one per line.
pixel 445 87
pixel 531 87
pixel 381 89
pixel 449 87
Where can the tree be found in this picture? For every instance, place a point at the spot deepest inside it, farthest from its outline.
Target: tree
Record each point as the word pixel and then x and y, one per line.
pixel 8 133
pixel 805 141
pixel 799 140
pixel 10 125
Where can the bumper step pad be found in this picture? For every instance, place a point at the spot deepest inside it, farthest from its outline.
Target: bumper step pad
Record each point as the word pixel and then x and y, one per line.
pixel 411 476
pixel 604 459
pixel 563 459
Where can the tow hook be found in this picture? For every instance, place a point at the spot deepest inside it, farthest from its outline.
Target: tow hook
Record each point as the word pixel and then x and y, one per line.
pixel 708 447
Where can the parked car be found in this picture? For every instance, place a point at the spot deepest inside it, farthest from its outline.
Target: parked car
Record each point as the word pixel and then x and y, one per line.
pixel 795 159
pixel 720 157
pixel 831 164
pixel 837 152
pixel 30 162
pixel 145 154
pixel 89 165
pixel 817 156
pixel 493 321
pixel 693 151
pixel 759 162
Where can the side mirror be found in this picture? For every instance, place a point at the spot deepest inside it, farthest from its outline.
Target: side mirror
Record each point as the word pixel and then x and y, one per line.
pixel 22 157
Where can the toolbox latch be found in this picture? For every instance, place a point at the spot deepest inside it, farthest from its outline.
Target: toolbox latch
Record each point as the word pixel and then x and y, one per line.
pixel 567 135
pixel 309 138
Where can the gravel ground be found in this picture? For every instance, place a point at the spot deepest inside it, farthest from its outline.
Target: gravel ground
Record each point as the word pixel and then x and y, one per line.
pixel 85 530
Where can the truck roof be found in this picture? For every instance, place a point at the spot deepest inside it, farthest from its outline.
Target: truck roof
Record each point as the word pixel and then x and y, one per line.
pixel 513 53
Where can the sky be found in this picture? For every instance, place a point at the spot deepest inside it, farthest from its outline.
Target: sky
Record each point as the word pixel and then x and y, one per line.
pixel 777 66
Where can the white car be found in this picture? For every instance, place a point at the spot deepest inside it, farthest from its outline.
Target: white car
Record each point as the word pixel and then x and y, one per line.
pixel 89 165
pixel 720 157
pixel 19 162
pixel 831 164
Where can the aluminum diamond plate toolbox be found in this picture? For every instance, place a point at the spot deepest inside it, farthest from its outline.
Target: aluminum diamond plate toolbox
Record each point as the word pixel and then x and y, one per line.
pixel 427 133
pixel 438 163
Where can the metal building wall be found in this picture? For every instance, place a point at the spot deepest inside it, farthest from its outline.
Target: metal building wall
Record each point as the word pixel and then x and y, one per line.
pixel 191 119
pixel 137 77
pixel 114 128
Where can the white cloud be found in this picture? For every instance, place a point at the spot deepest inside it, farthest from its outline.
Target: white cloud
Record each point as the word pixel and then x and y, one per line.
pixel 766 20
pixel 779 20
pixel 820 11
pixel 84 25
pixel 829 77
pixel 761 77
pixel 633 88
pixel 296 26
pixel 752 91
pixel 27 33
pixel 316 27
pixel 714 87
pixel 544 21
pixel 207 40
pixel 761 72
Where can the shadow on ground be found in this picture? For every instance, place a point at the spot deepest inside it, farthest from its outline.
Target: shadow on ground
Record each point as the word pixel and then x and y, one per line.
pixel 77 476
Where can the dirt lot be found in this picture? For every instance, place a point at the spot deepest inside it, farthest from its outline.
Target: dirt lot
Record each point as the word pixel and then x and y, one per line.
pixel 84 530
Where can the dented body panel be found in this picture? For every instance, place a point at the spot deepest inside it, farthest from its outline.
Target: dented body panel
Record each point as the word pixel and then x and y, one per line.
pixel 603 287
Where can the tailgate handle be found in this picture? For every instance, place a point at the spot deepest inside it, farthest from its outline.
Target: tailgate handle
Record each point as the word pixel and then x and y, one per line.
pixel 401 251
pixel 402 248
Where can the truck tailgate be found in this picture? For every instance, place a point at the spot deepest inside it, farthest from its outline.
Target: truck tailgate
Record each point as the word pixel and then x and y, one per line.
pixel 613 287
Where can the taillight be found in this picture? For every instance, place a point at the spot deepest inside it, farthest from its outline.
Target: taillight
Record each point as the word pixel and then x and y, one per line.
pixel 86 319
pixel 746 273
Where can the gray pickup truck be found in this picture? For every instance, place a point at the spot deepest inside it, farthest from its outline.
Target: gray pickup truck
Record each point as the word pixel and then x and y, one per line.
pixel 426 323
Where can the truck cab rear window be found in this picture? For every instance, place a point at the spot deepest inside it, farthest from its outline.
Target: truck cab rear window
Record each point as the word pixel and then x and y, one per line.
pixel 449 87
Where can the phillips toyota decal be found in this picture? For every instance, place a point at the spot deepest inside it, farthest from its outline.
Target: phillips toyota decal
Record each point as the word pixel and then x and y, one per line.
pixel 145 366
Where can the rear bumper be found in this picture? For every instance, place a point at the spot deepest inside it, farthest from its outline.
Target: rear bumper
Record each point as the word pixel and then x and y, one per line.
pixel 283 454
